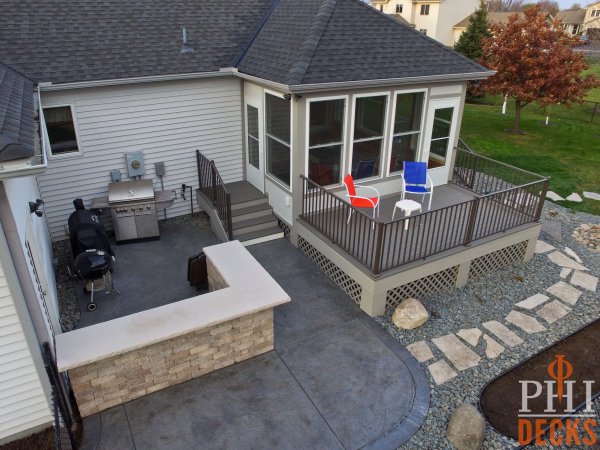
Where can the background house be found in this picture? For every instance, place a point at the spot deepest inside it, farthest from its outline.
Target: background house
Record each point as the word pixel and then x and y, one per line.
pixel 434 18
pixel 580 21
pixel 493 17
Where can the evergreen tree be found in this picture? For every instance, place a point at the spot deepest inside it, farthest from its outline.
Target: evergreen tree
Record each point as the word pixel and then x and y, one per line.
pixel 470 42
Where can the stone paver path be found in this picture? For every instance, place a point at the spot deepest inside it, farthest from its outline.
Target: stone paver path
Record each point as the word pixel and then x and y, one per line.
pixel 554 196
pixel 492 348
pixel 565 292
pixel 564 273
pixel 543 247
pixel 560 259
pixel 471 335
pixel 571 254
pixel 441 372
pixel 420 350
pixel 553 311
pixel 461 356
pixel 592 195
pixel 585 281
pixel 574 197
pixel 526 323
pixel 533 302
pixel 503 333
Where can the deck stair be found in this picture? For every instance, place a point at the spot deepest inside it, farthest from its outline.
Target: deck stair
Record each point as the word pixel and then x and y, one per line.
pixel 252 217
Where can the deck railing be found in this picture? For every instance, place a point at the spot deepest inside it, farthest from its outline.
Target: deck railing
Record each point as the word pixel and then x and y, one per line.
pixel 386 245
pixel 211 184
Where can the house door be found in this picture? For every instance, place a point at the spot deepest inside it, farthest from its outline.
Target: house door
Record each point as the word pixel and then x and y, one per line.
pixel 254 143
pixel 441 133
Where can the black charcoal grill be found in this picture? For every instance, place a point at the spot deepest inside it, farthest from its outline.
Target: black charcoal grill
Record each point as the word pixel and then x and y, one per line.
pixel 91 249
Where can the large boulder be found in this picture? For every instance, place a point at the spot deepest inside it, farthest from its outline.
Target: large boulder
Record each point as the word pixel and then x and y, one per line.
pixel 410 314
pixel 466 429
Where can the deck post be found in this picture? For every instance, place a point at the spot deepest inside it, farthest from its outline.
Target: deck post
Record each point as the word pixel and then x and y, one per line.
pixel 378 250
pixel 471 222
pixel 540 205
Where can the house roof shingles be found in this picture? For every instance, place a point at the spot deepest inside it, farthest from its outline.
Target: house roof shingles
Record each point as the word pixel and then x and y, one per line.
pixel 572 16
pixel 498 17
pixel 16 115
pixel 300 42
pixel 345 40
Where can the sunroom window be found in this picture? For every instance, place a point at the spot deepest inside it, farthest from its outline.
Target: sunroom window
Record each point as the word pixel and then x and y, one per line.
pixel 369 128
pixel 61 130
pixel 278 138
pixel 440 137
pixel 407 129
pixel 325 141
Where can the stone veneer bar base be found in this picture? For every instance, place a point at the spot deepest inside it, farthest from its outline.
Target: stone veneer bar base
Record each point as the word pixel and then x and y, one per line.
pixel 112 381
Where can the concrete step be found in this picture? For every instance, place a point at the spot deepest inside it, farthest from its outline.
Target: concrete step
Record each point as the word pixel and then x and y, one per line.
pixel 250 212
pixel 257 237
pixel 246 204
pixel 256 224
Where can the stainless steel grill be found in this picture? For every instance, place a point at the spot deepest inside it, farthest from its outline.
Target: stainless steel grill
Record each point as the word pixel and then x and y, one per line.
pixel 133 210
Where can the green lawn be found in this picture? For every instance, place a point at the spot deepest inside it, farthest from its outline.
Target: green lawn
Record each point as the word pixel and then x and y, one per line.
pixel 594 94
pixel 568 151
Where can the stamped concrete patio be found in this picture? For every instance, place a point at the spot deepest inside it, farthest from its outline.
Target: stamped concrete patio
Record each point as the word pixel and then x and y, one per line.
pixel 334 380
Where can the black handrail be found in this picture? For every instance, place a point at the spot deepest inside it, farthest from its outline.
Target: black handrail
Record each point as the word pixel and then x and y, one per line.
pixel 212 185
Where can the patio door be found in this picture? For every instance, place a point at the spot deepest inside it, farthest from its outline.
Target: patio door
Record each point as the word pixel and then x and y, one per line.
pixel 253 113
pixel 440 133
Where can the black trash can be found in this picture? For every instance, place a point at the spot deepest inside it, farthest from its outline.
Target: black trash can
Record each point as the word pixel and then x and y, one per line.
pixel 197 271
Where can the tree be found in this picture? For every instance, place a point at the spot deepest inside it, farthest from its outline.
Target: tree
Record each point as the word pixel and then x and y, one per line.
pixel 505 5
pixel 534 63
pixel 470 42
pixel 575 6
pixel 549 7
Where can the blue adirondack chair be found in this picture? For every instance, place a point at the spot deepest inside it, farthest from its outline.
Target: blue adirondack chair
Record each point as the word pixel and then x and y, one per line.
pixel 415 180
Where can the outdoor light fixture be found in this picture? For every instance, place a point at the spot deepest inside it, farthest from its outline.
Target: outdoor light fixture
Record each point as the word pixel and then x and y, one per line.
pixel 35 207
pixel 288 97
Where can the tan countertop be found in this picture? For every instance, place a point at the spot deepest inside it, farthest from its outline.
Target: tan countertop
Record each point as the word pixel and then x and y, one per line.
pixel 251 289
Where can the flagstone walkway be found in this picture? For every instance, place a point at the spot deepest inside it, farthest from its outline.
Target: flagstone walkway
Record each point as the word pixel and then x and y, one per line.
pixel 531 315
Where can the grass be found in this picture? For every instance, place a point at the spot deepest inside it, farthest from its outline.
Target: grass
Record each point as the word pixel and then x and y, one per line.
pixel 567 151
pixel 594 94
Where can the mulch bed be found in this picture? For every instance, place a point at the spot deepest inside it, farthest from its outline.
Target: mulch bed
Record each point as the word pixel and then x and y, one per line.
pixel 44 440
pixel 500 400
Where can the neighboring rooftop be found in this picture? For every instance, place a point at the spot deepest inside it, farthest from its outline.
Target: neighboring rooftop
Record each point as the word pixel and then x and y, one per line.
pixel 16 115
pixel 493 17
pixel 287 41
pixel 572 16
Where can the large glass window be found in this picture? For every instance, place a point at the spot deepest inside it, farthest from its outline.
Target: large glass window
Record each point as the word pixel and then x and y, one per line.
pixel 367 145
pixel 424 10
pixel 253 136
pixel 440 137
pixel 325 141
pixel 278 138
pixel 407 129
pixel 61 130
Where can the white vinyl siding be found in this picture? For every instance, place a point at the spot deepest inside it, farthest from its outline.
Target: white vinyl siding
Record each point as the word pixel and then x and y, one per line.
pixel 168 121
pixel 23 403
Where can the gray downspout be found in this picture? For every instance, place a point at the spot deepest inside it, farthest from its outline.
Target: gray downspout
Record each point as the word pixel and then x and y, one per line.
pixel 23 275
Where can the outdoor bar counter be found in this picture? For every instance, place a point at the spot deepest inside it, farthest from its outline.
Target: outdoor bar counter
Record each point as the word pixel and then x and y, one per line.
pixel 116 361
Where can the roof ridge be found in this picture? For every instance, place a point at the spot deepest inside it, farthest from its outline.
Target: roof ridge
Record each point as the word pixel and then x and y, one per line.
pixel 261 25
pixel 308 47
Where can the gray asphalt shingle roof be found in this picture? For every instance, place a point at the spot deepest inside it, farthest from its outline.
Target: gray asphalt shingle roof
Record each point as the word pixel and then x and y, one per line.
pixel 16 115
pixel 301 42
pixel 324 41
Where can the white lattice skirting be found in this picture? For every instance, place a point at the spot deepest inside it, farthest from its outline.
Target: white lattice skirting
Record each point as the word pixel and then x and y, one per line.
pixel 497 260
pixel 337 275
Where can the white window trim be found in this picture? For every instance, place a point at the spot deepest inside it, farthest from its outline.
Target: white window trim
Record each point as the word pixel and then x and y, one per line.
pixel 432 108
pixel 384 137
pixel 346 99
pixel 419 154
pixel 75 125
pixel 267 174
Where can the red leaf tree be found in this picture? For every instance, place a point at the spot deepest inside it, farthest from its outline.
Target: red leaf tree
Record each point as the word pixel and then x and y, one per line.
pixel 534 63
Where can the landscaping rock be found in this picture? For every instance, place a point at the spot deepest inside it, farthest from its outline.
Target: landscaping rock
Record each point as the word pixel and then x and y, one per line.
pixel 410 314
pixel 589 236
pixel 574 197
pixel 591 195
pixel 466 428
pixel 554 196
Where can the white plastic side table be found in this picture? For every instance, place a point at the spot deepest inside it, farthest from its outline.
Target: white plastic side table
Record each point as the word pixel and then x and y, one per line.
pixel 408 206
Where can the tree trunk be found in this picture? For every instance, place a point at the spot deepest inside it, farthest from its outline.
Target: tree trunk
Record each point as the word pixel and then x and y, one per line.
pixel 517 125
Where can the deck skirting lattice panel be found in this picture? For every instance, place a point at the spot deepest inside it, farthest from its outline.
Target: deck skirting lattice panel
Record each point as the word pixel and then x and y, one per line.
pixel 285 227
pixel 436 282
pixel 497 260
pixel 337 275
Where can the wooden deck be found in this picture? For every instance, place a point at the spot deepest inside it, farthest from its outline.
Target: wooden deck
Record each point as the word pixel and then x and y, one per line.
pixel 243 192
pixel 457 217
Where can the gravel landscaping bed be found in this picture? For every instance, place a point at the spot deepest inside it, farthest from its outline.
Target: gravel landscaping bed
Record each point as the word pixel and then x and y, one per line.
pixel 492 297
pixel 66 285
